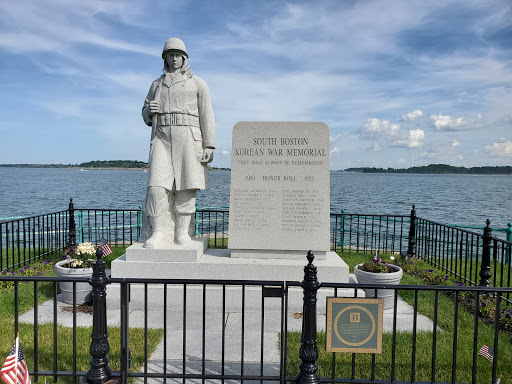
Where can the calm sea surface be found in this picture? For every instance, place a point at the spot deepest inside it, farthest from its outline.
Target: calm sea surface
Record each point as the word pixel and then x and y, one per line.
pixel 454 199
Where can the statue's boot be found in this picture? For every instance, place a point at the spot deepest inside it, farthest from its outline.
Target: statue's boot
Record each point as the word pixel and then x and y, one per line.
pixel 157 239
pixel 182 225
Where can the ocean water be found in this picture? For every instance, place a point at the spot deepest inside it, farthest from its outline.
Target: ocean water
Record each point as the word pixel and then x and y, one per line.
pixel 453 199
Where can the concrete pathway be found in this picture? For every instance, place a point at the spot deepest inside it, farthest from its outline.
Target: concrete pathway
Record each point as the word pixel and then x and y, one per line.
pixel 257 330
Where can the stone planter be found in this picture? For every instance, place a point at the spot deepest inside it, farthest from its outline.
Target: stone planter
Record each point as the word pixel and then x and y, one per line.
pixel 83 290
pixel 392 278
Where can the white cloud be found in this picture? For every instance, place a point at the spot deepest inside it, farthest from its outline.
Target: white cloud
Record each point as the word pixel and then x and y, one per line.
pixel 413 140
pixel 224 152
pixel 412 115
pixel 391 133
pixel 375 147
pixel 335 151
pixel 376 128
pixel 446 123
pixel 55 27
pixel 500 149
pixel 334 138
pixel 455 143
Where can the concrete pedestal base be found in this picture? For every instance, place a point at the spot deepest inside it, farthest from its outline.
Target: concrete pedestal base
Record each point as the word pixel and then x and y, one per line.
pixel 190 252
pixel 218 264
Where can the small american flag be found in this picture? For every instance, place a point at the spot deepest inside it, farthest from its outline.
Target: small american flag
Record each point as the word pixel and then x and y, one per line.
pixel 105 247
pixel 487 352
pixel 15 368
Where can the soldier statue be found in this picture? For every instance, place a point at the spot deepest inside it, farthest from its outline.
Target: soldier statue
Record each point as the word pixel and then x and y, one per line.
pixel 179 109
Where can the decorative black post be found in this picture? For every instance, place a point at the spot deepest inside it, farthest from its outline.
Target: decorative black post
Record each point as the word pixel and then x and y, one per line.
pixel 411 248
pixel 100 371
pixel 485 268
pixel 308 352
pixel 72 226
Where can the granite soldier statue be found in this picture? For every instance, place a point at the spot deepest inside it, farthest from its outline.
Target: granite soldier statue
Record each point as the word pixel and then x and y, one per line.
pixel 179 109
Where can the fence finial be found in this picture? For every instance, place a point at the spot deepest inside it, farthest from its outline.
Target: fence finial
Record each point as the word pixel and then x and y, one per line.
pixel 71 225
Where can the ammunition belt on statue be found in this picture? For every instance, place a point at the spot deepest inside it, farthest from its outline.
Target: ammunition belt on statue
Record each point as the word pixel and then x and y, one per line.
pixel 178 119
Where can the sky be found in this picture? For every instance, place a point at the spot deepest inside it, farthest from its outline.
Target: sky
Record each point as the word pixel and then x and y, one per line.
pixel 399 83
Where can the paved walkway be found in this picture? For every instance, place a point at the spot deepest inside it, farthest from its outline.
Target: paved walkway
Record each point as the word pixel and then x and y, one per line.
pixel 257 329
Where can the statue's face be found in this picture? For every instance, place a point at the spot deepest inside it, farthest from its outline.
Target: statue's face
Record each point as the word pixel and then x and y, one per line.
pixel 174 60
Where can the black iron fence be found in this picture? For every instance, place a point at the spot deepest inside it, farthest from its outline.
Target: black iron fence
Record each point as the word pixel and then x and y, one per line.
pixel 117 226
pixel 28 239
pixel 25 240
pixel 437 340
pixel 368 233
pixel 458 251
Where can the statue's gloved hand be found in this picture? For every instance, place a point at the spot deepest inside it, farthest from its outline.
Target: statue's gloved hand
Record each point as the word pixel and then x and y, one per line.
pixel 154 107
pixel 207 155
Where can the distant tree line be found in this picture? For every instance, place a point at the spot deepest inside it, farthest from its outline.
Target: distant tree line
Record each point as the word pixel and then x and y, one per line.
pixel 88 164
pixel 114 164
pixel 37 165
pixel 95 164
pixel 439 169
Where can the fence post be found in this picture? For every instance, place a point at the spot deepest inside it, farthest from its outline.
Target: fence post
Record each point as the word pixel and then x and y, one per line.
pixel 72 226
pixel 308 352
pixel 508 231
pixel 411 245
pixel 485 267
pixel 100 371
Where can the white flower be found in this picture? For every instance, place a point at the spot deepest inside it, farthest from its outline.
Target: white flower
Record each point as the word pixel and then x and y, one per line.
pixel 84 249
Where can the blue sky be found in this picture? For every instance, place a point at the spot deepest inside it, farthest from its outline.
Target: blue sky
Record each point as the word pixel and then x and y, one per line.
pixel 399 83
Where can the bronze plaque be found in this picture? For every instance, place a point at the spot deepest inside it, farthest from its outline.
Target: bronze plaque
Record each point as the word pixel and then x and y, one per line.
pixel 354 325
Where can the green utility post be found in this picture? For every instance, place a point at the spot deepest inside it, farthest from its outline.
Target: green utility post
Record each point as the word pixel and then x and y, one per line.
pixel 139 222
pixel 508 231
pixel 80 226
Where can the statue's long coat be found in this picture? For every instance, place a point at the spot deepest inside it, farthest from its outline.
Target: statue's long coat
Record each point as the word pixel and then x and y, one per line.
pixel 176 149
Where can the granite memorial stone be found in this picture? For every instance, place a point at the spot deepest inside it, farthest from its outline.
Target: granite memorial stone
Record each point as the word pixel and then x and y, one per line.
pixel 279 201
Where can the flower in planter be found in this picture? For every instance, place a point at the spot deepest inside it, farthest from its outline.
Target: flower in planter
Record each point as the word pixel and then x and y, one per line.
pixel 80 257
pixel 377 265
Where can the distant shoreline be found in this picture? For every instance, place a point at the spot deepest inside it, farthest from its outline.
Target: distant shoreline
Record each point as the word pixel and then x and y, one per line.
pixel 52 166
pixel 438 169
pixel 432 169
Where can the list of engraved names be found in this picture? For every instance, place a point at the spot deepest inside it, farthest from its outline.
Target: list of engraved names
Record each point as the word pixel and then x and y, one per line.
pixel 280 186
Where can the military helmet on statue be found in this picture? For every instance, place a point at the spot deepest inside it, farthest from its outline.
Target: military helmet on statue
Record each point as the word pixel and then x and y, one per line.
pixel 174 45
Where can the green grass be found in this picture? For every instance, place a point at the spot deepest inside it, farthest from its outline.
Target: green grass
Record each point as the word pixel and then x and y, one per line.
pixel 471 269
pixel 424 340
pixel 24 256
pixel 220 242
pixel 46 335
pixel 352 259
